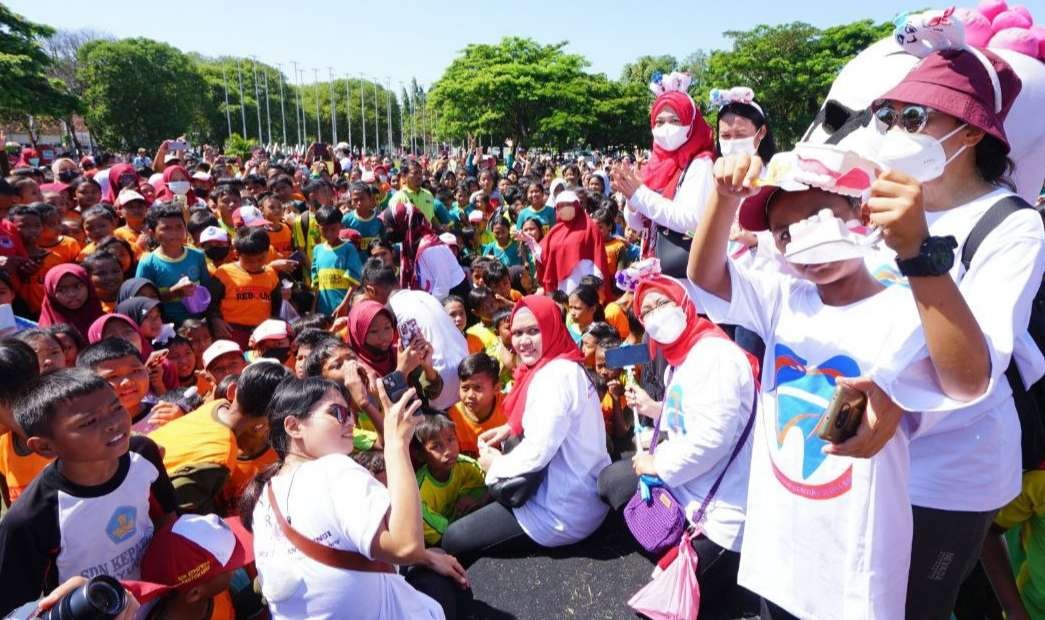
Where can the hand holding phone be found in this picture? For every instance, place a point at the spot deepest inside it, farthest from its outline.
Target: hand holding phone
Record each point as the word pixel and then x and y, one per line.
pixel 843 415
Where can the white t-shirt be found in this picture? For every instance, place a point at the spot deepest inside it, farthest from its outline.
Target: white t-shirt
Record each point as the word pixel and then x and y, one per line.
pixel 563 429
pixel 334 501
pixel 825 536
pixel 706 406
pixel 681 214
pixel 438 271
pixel 581 270
pixel 449 346
pixel 968 458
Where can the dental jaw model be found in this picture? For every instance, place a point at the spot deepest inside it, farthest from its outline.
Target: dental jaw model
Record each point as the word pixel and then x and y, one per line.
pixel 824 238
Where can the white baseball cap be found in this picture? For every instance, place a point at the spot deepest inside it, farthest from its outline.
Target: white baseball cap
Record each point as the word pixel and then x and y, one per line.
pixel 214 233
pixel 448 238
pixel 219 348
pixel 269 329
pixel 128 195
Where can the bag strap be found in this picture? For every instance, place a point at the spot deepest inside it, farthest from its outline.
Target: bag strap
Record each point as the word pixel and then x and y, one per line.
pixel 329 556
pixel 736 450
pixel 988 222
pixel 656 425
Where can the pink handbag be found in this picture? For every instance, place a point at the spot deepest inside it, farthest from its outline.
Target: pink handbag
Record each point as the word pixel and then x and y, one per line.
pixel 674 593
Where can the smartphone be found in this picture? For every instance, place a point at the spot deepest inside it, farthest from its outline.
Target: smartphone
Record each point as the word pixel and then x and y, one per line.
pixel 177 145
pixel 408 330
pixel 298 256
pixel 628 355
pixel 842 417
pixel 395 385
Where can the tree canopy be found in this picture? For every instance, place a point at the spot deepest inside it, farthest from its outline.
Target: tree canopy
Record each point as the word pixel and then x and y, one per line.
pixel 25 87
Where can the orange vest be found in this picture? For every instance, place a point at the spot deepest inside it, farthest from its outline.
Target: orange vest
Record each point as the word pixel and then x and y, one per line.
pixel 248 296
pixel 17 470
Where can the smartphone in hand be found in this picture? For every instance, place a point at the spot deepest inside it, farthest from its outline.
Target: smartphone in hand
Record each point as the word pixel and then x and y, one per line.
pixel 842 417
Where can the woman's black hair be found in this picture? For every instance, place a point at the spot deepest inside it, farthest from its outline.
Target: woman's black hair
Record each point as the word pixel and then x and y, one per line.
pixel 515 273
pixel 589 295
pixel 312 320
pixel 993 163
pixel 540 226
pixel 767 147
pixel 293 397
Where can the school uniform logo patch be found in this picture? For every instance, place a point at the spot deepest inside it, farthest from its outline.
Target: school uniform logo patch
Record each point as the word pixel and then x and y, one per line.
pixel 123 524
pixel 802 393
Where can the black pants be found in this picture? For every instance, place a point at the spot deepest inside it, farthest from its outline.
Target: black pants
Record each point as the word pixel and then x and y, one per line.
pixel 455 602
pixel 717 566
pixel 491 530
pixel 945 549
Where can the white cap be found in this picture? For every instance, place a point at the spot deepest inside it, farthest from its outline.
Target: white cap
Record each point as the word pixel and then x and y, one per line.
pixel 201 176
pixel 341 146
pixel 448 238
pixel 248 215
pixel 213 233
pixel 567 196
pixel 219 348
pixel 128 195
pixel 269 329
pixel 475 216
pixel 368 176
pixel 172 156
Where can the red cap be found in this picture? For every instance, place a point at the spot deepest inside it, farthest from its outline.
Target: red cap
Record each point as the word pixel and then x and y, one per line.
pixel 349 234
pixel 192 550
pixel 958 83
pixel 754 211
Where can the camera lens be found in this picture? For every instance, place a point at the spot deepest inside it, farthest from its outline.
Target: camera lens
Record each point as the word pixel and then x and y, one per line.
pixel 101 598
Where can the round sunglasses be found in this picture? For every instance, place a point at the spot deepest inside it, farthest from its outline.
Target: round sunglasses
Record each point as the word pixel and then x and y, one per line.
pixel 911 118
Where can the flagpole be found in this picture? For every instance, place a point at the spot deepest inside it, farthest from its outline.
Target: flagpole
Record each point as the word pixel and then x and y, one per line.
pixel 242 107
pixel 257 98
pixel 282 111
pixel 228 115
pixel 333 108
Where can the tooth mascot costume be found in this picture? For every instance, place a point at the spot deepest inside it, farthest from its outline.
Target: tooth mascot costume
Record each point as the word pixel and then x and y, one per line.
pixel 845 118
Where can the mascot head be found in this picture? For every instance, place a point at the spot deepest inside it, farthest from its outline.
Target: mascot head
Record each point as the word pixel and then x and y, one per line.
pixel 845 118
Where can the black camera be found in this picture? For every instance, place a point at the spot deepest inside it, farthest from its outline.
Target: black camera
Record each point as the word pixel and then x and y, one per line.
pixel 101 598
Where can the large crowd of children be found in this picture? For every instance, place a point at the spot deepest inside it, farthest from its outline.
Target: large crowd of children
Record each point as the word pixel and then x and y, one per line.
pixel 303 384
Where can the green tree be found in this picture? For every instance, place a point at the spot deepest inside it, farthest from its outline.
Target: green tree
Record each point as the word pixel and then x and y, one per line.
pixel 516 89
pixel 790 67
pixel 642 69
pixel 25 87
pixel 137 91
pixel 238 146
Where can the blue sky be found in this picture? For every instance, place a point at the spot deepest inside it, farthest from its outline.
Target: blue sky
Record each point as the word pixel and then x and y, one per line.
pixel 404 38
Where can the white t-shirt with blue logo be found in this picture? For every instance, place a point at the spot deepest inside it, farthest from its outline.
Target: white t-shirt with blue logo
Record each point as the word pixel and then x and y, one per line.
pixel 825 536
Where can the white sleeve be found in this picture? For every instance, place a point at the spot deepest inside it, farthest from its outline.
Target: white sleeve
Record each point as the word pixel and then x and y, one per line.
pixel 550 401
pixel 683 213
pixel 756 299
pixel 360 502
pixel 713 398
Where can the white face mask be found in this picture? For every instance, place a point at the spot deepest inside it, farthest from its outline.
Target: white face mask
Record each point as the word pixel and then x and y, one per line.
pixel 669 136
pixel 665 325
pixel 917 154
pixel 738 145
pixel 179 187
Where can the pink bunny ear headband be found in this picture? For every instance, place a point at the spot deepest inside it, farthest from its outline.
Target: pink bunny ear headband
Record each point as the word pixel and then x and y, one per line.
pixel 720 98
pixel 628 279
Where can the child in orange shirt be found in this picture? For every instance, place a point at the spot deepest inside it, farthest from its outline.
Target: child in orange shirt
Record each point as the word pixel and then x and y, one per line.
pixel 481 406
pixel 610 384
pixel 51 237
pixel 280 237
pixel 18 464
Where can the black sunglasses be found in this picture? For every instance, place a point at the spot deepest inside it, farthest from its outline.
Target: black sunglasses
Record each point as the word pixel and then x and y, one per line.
pixel 341 413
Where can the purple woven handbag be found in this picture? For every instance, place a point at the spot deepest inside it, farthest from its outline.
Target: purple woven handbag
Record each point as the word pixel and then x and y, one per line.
pixel 655 518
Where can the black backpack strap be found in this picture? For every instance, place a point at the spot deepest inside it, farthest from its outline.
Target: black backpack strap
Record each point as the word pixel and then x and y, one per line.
pixel 988 222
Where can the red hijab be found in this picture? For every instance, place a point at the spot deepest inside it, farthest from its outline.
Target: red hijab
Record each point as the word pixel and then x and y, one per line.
pixel 568 243
pixel 359 320
pixel 52 312
pixel 163 193
pixel 661 173
pixel 556 343
pixel 697 327
pixel 114 180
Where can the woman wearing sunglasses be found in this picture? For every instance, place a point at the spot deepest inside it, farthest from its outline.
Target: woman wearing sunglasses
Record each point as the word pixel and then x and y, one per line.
pixel 944 126
pixel 315 489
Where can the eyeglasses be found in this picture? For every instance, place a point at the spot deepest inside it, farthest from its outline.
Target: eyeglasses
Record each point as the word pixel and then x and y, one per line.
pixel 911 118
pixel 657 306
pixel 341 413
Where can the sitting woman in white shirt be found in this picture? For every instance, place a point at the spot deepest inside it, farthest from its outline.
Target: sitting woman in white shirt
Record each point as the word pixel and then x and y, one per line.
pixel 336 504
pixel 708 404
pixel 555 409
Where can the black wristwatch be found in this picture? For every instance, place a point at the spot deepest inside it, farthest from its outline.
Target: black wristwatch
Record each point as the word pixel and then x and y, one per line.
pixel 935 258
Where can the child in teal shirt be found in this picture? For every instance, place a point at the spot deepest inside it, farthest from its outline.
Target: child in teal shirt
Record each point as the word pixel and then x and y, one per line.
pixel 168 264
pixel 503 247
pixel 336 266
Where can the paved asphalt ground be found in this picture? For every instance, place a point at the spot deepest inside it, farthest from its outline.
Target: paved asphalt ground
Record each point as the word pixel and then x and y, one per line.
pixel 591 580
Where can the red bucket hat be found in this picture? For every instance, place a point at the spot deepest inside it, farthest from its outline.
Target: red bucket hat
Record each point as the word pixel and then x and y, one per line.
pixel 958 83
